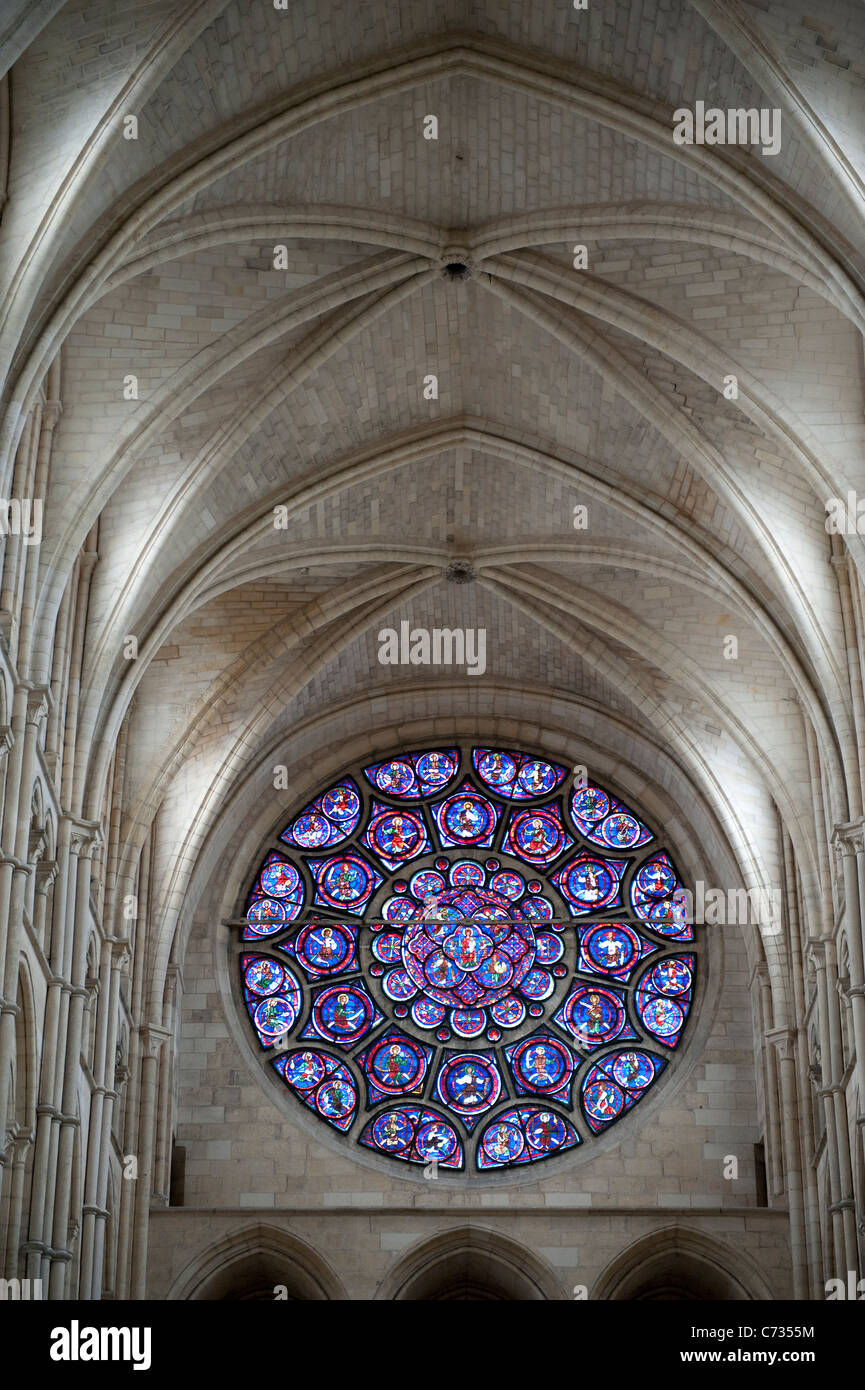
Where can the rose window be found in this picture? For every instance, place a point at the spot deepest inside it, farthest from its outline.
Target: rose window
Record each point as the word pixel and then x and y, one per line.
pixel 461 958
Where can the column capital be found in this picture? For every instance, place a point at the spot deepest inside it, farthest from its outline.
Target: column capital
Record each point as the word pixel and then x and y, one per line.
pixel 39 703
pixel 20 1140
pixel 152 1037
pixel 121 955
pixel 37 843
pixel 173 983
pixel 783 1040
pixel 46 872
pixel 84 837
pixel 849 837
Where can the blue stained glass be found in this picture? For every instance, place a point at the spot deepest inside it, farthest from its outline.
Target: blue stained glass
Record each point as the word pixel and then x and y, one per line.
pixel 470 949
pixel 328 820
pixel 497 768
pixel 465 873
pixel 397 778
pixel 345 882
pixel 427 884
pixel 657 897
pixel 615 1083
pixel 416 1135
pixel 469 1083
pixel 516 775
pixel 538 984
pixel 589 882
pixel 611 948
pixel 276 899
pixel 414 774
pixel 272 996
pixel 399 910
pixel 606 821
pixel 395 835
pixel 267 916
pixel 387 946
pixel 508 885
pixel 594 1015
pixel 509 1012
pixel 538 909
pixel 322 1083
pixel 263 975
pixel 537 836
pixel 466 818
pixel 399 986
pixel 468 1023
pixel 542 1065
pixel 342 1014
pixel 435 769
pixel 622 831
pixel 663 998
pixel 395 1065
pixel 466 942
pixel 426 1013
pixel 548 948
pixel 589 806
pixel 523 1135
pixel 279 879
pixel 324 948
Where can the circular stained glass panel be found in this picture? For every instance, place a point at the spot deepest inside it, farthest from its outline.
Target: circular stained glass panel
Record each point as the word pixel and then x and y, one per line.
pixel 475 949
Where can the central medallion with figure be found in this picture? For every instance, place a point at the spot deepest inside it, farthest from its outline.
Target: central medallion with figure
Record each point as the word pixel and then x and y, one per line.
pixel 466 947
pixel 470 949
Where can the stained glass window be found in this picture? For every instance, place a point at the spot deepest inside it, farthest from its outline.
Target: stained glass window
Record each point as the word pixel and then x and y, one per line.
pixel 457 956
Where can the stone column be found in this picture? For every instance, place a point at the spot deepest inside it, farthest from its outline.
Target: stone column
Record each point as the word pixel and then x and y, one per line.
pixel 770 1097
pixel 839 1196
pixel 50 1074
pixel 849 843
pixel 162 1171
pixel 99 1134
pixel 46 873
pixel 31 709
pixel 152 1040
pixel 20 1147
pixel 783 1041
pixel 84 839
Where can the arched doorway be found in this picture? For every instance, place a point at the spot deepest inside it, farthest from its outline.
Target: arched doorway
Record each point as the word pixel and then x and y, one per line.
pixel 257 1264
pixel 469 1265
pixel 679 1266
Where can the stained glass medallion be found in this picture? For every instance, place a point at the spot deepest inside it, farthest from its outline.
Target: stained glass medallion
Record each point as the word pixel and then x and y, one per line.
pixel 463 959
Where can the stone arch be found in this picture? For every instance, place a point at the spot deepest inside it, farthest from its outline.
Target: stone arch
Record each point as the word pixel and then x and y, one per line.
pixel 250 1263
pixel 680 1265
pixel 473 1264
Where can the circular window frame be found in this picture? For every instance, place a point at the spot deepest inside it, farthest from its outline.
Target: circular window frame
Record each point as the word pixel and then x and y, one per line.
pixel 592 1144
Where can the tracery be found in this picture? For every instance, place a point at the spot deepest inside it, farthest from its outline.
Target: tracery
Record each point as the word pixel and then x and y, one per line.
pixel 464 958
